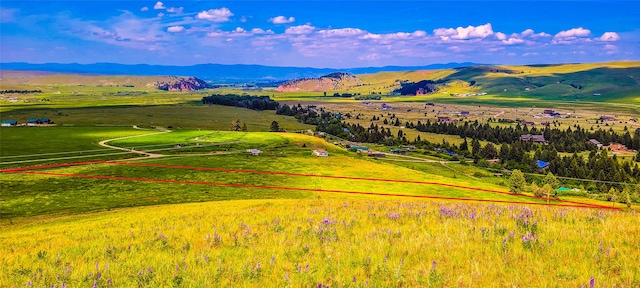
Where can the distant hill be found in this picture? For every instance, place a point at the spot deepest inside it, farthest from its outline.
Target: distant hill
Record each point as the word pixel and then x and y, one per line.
pixel 330 82
pixel 214 72
pixel 183 84
pixel 561 81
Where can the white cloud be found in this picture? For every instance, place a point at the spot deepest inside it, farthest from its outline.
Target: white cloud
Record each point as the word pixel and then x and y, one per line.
pixel 145 8
pixel 344 32
pixel 501 36
pixel 460 33
pixel 159 6
pixel 573 33
pixel 239 30
pixel 260 31
pixel 175 10
pixel 610 47
pixel 530 54
pixel 512 41
pixel 299 30
pixel 419 33
pixel 609 36
pixel 215 15
pixel 160 15
pixel 282 20
pixel 175 29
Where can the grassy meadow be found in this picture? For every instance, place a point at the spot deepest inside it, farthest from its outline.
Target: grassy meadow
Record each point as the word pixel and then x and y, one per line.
pixel 328 243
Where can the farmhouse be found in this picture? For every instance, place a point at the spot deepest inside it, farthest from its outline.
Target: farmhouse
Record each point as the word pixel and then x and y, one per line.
pixel 549 111
pixel 320 153
pixel 528 123
pixel 398 151
pixel 9 123
pixel 534 138
pixel 444 119
pixel 33 121
pixel 254 152
pixel 595 143
pixel 607 118
pixel 464 113
pixel 358 148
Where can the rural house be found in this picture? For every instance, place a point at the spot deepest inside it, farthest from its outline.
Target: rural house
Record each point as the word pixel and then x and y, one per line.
pixel 528 123
pixel 33 121
pixel 534 138
pixel 9 123
pixel 444 119
pixel 595 143
pixel 320 153
pixel 464 113
pixel 254 152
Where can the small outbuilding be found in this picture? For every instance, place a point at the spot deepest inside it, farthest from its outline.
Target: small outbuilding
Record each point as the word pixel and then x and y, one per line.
pixel 320 153
pixel 254 152
pixel 9 123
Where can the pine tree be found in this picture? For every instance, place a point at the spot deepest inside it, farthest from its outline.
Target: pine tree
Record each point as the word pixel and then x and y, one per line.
pixel 275 127
pixel 638 156
pixel 244 127
pixel 475 147
pixel 235 125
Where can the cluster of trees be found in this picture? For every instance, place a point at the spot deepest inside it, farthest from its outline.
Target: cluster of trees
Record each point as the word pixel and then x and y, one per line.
pixel 237 125
pixel 569 140
pixel 368 97
pixel 252 102
pixel 20 91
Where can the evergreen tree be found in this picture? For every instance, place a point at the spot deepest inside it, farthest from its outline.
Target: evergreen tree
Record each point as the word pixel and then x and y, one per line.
pixel 638 155
pixel 244 127
pixel 517 182
pixel 275 127
pixel 475 147
pixel 235 125
pixel 464 146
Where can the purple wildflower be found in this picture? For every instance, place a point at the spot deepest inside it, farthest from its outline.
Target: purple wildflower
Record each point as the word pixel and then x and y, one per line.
pixel 286 276
pixel 306 268
pixel 592 282
pixel 354 278
pixel 433 265
pixel 95 284
pixel 110 282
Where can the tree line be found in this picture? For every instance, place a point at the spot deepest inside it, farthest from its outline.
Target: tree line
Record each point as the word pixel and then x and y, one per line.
pixel 258 103
pixel 20 91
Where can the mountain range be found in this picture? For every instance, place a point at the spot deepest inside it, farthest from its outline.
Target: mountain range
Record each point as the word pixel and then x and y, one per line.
pixel 218 73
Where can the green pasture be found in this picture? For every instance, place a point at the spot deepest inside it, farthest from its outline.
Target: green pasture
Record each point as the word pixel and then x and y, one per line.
pixel 31 195
pixel 175 116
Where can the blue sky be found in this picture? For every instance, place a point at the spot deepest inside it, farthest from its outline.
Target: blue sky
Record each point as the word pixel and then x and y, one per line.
pixel 334 34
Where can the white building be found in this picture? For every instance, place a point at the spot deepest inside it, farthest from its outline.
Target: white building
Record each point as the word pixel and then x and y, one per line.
pixel 320 153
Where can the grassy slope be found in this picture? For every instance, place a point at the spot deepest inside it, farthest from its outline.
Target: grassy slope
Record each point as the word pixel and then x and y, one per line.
pixel 30 195
pixel 338 243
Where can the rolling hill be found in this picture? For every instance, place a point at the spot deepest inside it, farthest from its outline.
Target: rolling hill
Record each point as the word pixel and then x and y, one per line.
pixel 591 82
